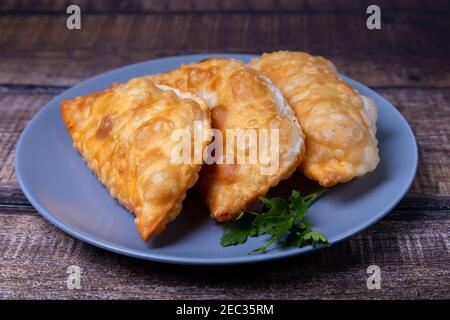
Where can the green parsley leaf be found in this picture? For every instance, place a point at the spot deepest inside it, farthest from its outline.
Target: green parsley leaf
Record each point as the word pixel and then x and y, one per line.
pixel 264 247
pixel 297 205
pixel 274 222
pixel 282 220
pixel 303 234
pixel 237 231
pixel 311 198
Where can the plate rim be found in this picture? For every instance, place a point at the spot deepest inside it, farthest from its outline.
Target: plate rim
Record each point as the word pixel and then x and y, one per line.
pixel 91 239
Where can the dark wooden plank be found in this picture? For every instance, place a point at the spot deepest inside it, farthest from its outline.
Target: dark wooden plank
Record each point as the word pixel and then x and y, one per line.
pixel 411 49
pixel 30 89
pixel 430 123
pixel 406 62
pixel 55 69
pixel 15 112
pixel 189 6
pixel 427 110
pixel 13 201
pixel 424 202
pixel 344 31
pixel 412 251
pixel 11 196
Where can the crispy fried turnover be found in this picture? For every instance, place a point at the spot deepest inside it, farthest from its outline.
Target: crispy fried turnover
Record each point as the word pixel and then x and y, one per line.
pixel 339 123
pixel 124 134
pixel 239 98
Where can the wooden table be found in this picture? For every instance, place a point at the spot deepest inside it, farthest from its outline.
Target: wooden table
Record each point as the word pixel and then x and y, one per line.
pixel 407 61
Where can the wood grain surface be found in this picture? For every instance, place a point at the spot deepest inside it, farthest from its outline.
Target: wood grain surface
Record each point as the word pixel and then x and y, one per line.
pixel 407 62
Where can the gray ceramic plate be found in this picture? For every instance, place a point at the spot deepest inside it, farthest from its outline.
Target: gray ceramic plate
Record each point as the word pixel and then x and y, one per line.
pixel 59 185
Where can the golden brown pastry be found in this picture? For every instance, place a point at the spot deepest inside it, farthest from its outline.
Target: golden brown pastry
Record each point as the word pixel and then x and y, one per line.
pixel 124 134
pixel 240 98
pixel 339 123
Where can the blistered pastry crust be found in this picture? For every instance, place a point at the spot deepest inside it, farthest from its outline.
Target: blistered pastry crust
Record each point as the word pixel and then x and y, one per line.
pixel 239 97
pixel 124 134
pixel 339 123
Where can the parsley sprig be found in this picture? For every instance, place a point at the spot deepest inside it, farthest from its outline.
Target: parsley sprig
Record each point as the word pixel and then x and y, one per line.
pixel 283 220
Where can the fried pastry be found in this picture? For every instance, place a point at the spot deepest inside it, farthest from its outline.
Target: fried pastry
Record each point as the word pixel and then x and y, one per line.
pixel 124 134
pixel 339 124
pixel 240 99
